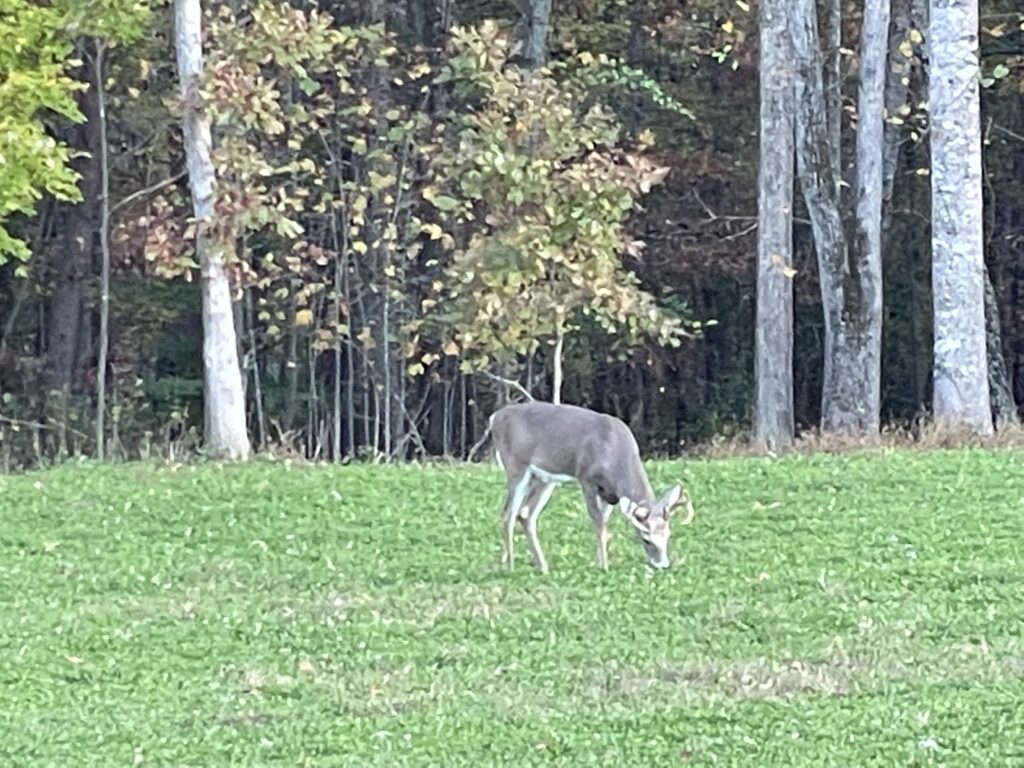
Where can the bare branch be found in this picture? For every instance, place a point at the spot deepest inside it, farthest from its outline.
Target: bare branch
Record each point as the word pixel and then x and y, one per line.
pixel 147 191
pixel 1007 132
pixel 39 425
pixel 509 383
pixel 479 443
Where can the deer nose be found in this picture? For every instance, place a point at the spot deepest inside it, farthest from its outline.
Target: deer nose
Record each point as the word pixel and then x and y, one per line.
pixel 660 564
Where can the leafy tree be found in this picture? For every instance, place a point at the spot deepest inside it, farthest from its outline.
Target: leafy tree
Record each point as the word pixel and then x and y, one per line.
pixel 544 178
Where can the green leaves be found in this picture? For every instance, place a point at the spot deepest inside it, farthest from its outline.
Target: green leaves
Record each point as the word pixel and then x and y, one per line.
pixel 33 53
pixel 445 203
pixel 551 183
pixel 114 21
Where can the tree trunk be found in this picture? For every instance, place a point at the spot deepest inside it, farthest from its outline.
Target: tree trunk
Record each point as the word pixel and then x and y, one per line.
pixel 291 370
pixel 866 251
pixel 223 399
pixel 832 32
pixel 556 385
pixel 773 339
pixel 897 92
pixel 1000 389
pixel 101 365
pixel 337 452
pixel 257 374
pixel 66 305
pixel 850 404
pixel 960 382
pixel 538 25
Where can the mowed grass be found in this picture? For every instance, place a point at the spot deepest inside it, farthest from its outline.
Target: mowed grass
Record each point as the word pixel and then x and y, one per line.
pixel 856 610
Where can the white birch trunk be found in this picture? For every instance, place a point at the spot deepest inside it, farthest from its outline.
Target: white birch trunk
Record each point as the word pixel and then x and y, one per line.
pixel 223 399
pixel 960 395
pixel 773 338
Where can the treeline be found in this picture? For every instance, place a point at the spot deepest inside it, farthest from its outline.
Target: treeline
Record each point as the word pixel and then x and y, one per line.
pixel 415 201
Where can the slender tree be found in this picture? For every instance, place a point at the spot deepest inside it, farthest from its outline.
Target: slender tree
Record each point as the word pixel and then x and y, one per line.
pixel 773 361
pixel 224 401
pixel 538 25
pixel 104 340
pixel 866 244
pixel 960 381
pixel 74 264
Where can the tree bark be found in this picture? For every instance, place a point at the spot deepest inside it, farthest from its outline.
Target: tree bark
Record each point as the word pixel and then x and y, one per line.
pixel 850 291
pixel 75 263
pixel 773 336
pixel 897 91
pixel 101 364
pixel 960 382
pixel 866 250
pixel 291 370
pixel 223 398
pixel 832 32
pixel 538 25
pixel 556 384
pixel 1000 389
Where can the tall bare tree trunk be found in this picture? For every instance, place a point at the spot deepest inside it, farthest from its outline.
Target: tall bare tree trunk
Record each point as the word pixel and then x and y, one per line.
pixel 66 306
pixel 907 16
pixel 960 395
pixel 556 384
pixel 291 370
pixel 223 398
pixel 101 365
pixel 337 452
pixel 773 335
pixel 850 289
pixel 866 245
pixel 832 44
pixel 257 375
pixel 1000 389
pixel 538 26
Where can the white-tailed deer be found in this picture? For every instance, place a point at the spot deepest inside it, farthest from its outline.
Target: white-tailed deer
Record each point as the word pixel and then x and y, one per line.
pixel 541 445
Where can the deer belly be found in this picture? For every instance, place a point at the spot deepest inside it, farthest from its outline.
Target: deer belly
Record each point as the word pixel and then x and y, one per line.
pixel 549 477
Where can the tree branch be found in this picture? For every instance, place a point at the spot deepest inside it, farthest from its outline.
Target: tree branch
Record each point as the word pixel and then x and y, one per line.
pixel 148 190
pixel 509 383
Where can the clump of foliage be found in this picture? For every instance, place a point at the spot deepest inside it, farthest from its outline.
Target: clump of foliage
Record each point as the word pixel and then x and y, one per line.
pixel 540 174
pixel 34 54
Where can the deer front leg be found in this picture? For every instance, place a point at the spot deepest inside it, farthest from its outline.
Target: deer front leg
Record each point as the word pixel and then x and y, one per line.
pixel 599 515
pixel 538 496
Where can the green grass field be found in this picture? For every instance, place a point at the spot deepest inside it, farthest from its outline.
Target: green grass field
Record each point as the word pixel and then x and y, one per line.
pixel 850 611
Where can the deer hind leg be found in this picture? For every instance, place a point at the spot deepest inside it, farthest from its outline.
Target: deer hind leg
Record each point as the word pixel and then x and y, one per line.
pixel 518 485
pixel 600 512
pixel 537 497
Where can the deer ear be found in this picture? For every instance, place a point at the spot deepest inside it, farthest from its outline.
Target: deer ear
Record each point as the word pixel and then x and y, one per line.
pixel 671 498
pixel 639 515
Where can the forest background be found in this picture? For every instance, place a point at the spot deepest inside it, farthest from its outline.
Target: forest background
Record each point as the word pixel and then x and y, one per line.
pixel 411 194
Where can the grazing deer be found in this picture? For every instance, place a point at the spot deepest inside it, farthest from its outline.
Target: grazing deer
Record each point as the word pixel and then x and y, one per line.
pixel 541 445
